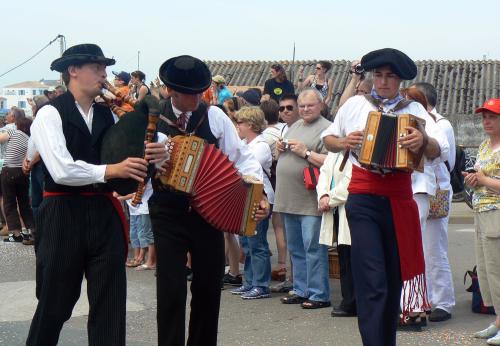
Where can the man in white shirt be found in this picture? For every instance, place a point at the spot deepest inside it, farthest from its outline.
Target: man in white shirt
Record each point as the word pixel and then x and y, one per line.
pixel 383 217
pixel 178 229
pixel 435 236
pixel 80 226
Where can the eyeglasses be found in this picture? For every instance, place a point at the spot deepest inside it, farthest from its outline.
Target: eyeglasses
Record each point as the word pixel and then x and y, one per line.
pixel 308 106
pixel 288 108
pixel 318 67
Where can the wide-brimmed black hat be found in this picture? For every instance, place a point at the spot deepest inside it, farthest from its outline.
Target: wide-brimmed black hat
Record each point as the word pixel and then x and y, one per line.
pixel 81 54
pixel 399 62
pixel 186 74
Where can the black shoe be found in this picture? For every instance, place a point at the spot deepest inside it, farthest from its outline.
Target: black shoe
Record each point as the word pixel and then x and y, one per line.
pixel 230 279
pixel 339 312
pixel 439 315
pixel 411 323
pixel 13 239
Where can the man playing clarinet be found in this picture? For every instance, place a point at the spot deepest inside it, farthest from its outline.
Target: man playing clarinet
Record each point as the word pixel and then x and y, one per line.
pixel 383 217
pixel 177 228
pixel 79 225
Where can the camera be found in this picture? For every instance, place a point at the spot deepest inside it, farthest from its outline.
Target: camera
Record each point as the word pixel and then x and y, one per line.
pixel 358 69
pixel 286 146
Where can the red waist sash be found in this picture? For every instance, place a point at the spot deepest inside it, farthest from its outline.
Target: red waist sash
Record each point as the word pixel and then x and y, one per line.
pixel 116 204
pixel 396 187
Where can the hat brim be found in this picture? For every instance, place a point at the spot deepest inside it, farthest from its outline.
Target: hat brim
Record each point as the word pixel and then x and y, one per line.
pixel 203 84
pixel 62 63
pixel 486 109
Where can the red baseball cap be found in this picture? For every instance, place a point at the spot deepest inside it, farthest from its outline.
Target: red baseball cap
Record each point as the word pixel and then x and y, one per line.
pixel 492 105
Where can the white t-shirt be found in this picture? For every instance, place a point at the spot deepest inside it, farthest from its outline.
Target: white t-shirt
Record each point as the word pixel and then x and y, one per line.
pixel 262 152
pixel 142 208
pixel 271 134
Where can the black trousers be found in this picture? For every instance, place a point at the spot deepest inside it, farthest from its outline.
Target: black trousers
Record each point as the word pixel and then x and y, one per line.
pixel 177 231
pixel 375 268
pixel 348 302
pixel 76 236
pixel 15 187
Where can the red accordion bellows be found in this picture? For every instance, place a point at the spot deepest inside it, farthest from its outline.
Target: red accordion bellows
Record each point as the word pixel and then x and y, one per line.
pixel 219 194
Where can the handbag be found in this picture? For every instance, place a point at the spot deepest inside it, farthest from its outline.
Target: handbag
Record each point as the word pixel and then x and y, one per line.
pixel 311 175
pixel 439 205
pixel 477 300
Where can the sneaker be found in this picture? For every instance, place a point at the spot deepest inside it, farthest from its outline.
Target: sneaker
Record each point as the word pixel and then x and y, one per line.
pixel 283 287
pixel 240 290
pixel 487 333
pixel 231 280
pixel 13 239
pixel 256 293
pixel 494 340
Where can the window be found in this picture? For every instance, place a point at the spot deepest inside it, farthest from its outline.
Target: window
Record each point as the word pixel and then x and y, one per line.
pixel 33 92
pixel 20 92
pixel 21 104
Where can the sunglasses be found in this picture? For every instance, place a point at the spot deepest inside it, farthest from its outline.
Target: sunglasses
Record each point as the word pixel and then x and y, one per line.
pixel 288 108
pixel 318 68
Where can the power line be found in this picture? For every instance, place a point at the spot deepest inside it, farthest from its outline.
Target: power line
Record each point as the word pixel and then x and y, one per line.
pixel 29 59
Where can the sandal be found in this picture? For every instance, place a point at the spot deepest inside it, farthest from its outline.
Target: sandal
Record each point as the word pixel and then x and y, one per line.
pixel 145 267
pixel 411 323
pixel 135 262
pixel 314 304
pixel 293 299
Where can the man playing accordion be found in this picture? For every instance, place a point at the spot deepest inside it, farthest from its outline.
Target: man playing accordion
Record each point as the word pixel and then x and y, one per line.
pixel 383 217
pixel 179 229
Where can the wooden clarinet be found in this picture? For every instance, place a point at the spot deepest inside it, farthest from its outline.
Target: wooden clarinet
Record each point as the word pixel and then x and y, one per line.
pixel 153 116
pixel 125 98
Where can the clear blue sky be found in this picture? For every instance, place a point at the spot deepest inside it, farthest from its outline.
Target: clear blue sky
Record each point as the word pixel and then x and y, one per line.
pixel 244 30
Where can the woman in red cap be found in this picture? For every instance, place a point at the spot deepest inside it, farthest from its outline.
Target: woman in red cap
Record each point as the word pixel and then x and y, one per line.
pixel 485 179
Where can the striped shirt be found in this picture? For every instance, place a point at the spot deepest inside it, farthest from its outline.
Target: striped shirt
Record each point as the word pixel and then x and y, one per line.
pixel 16 149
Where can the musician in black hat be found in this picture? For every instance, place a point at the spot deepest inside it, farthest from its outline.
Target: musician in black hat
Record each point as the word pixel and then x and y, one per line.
pixel 177 228
pixel 80 226
pixel 383 217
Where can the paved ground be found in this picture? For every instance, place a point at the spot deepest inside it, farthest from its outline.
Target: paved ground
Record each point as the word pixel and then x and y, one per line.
pixel 261 322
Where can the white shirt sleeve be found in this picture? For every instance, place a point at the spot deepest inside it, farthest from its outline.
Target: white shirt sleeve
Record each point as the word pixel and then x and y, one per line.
pixel 231 145
pixel 49 140
pixel 30 154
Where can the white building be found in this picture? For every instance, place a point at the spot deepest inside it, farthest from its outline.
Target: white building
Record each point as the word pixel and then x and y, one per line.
pixel 17 94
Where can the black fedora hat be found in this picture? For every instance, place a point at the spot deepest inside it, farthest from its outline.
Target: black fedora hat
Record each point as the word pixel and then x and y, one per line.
pixel 399 62
pixel 81 54
pixel 186 74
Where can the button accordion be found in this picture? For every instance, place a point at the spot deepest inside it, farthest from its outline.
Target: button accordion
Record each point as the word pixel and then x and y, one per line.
pixel 380 147
pixel 224 198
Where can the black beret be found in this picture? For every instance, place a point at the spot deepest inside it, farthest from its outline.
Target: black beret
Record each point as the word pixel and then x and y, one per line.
pixel 186 74
pixel 399 62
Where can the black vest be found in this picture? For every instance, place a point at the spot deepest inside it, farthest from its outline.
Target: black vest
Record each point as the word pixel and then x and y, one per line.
pixel 167 197
pixel 81 144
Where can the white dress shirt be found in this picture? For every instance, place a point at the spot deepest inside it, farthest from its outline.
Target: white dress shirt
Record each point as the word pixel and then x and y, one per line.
pixel 353 114
pixel 229 142
pixel 441 171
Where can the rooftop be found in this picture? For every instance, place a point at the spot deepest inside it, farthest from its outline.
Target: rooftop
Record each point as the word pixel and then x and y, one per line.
pixel 33 84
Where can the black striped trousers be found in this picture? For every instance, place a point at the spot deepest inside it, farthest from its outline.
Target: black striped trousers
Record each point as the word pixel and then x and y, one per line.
pixel 76 236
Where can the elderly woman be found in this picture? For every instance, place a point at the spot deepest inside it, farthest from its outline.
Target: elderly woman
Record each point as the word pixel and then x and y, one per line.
pixel 257 275
pixel 485 179
pixel 278 85
pixel 15 184
pixel 302 150
pixel 318 80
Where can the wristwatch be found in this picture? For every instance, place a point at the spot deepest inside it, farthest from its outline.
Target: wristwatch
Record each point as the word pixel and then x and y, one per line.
pixel 308 153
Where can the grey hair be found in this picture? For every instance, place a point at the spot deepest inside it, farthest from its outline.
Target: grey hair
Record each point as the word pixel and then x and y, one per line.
pixel 18 113
pixel 309 91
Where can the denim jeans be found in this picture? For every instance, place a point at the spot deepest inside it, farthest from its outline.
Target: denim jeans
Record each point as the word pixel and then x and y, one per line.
pixel 309 257
pixel 257 271
pixel 141 234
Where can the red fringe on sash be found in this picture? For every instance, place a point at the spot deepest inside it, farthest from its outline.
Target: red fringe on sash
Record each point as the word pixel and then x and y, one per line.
pixel 397 187
pixel 113 200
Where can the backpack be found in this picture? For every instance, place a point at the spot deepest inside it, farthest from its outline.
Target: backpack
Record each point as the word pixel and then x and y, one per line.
pixel 477 300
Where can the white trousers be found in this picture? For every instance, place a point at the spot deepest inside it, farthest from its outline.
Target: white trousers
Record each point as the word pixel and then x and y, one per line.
pixel 437 266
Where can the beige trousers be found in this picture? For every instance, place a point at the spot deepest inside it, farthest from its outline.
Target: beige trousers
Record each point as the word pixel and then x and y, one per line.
pixel 488 256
